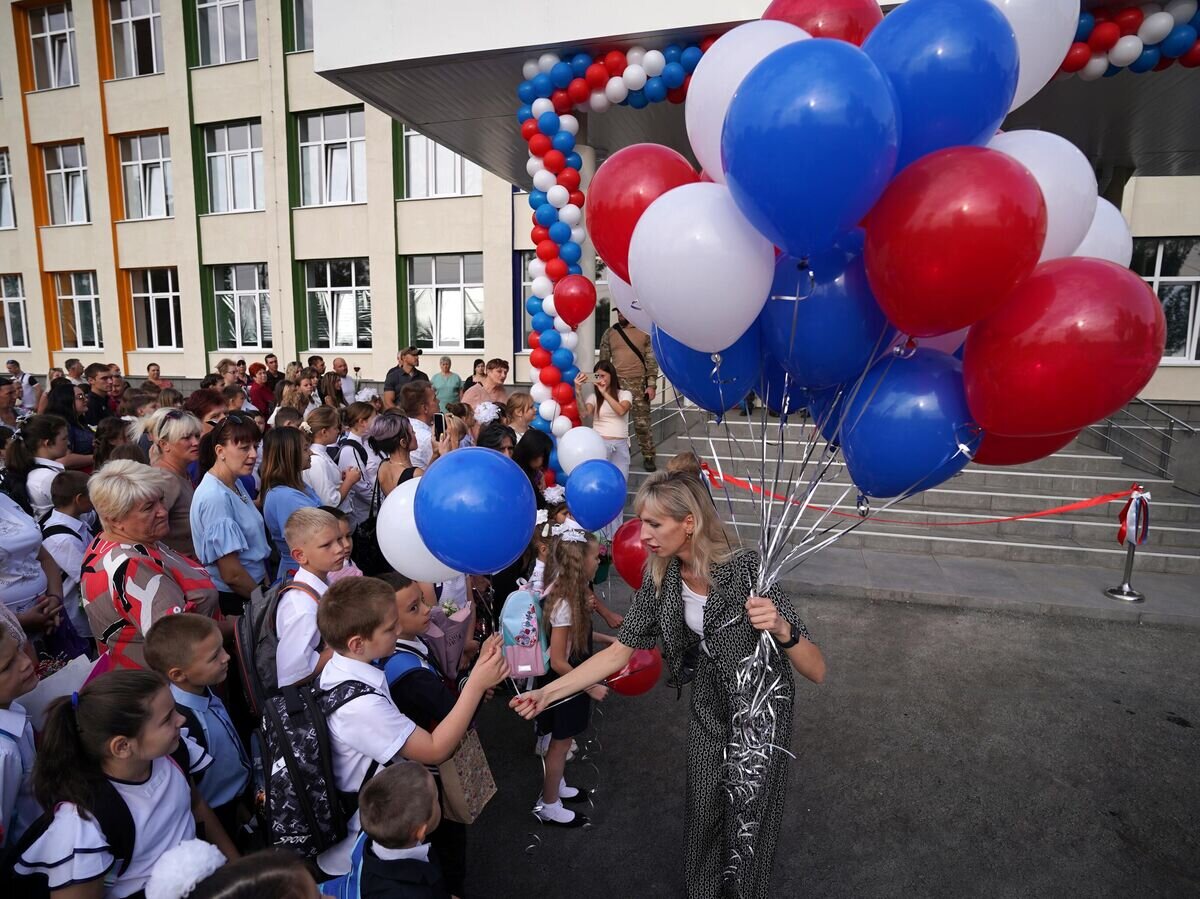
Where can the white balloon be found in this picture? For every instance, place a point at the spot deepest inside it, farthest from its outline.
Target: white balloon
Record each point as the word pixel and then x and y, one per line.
pixel 542 287
pixel 549 308
pixel 1045 30
pixel 598 102
pixel 615 90
pixel 539 391
pixel 561 326
pixel 568 123
pixel 634 77
pixel 541 105
pixel 580 445
pixel 1109 237
pixel 530 70
pixel 537 268
pixel 717 77
pixel 635 56
pixel 533 165
pixel 654 62
pixel 578 234
pixel 570 341
pixel 558 196
pixel 570 214
pixel 548 409
pixel 626 301
pixel 1067 181
pixel 547 61
pixel 1095 68
pixel 1126 51
pixel 560 426
pixel 701 271
pixel 544 180
pixel 1182 10
pixel 400 541
pixel 1155 28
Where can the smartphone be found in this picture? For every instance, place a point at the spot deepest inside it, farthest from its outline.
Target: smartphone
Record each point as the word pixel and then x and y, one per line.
pixel 439 425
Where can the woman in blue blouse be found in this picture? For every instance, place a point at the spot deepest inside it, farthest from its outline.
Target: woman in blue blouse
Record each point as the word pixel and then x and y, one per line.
pixel 285 456
pixel 227 529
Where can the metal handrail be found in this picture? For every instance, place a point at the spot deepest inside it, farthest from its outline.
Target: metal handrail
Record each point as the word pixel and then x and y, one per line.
pixel 1161 442
pixel 1165 414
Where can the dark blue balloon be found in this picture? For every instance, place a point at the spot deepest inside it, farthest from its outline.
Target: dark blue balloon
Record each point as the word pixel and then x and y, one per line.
pixel 672 52
pixel 596 493
pixel 551 340
pixel 825 407
pixel 637 99
pixel 562 358
pixel 1084 30
pixel 562 74
pixel 701 380
pixel 779 391
pixel 553 460
pixel 524 113
pixel 570 252
pixel 537 199
pixel 574 269
pixel 475 510
pixel 656 89
pixel 533 305
pixel 1195 22
pixel 1178 42
pixel 526 92
pixel 540 424
pixel 560 232
pixel 809 143
pixel 574 161
pixel 542 85
pixel 953 65
pixel 563 141
pixel 570 374
pixel 546 214
pixel 542 322
pixel 580 63
pixel 690 58
pixel 548 123
pixel 1147 61
pixel 1112 70
pixel 905 425
pixel 674 75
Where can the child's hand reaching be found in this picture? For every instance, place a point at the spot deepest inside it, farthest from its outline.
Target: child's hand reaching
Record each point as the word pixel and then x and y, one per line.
pixel 492 666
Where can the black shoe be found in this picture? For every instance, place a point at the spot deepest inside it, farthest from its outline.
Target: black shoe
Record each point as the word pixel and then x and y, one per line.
pixel 579 798
pixel 649 465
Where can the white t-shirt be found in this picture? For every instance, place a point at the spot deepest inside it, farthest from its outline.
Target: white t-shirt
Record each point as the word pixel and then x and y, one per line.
pixel 18 808
pixel 325 479
pixel 607 423
pixel 561 615
pixel 693 610
pixel 422 456
pixel 22 579
pixel 38 484
pixel 28 390
pixel 68 551
pixel 296 623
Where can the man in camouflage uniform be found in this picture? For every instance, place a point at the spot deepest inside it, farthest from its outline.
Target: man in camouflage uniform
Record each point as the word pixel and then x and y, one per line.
pixel 628 348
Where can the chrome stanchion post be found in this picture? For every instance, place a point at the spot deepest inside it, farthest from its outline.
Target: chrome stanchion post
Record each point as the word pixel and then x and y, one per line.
pixel 1136 521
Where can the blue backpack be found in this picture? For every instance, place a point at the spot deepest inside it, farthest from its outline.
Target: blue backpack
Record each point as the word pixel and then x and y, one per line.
pixel 525 641
pixel 348 886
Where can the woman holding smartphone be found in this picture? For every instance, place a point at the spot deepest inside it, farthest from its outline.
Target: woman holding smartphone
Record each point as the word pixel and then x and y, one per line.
pixel 606 410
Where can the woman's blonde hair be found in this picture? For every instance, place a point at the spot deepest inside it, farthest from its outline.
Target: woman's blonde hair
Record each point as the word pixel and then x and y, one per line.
pixel 568 583
pixel 517 404
pixel 294 398
pixel 121 485
pixel 166 425
pixel 323 417
pixel 677 495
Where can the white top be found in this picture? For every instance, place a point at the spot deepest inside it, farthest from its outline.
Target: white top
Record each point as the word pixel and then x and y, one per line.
pixel 364 730
pixel 348 388
pixel 325 479
pixel 537 578
pixel 419 852
pixel 693 609
pixel 22 579
pixel 296 623
pixel 38 484
pixel 422 456
pixel 607 423
pixel 18 808
pixel 29 392
pixel 359 497
pixel 68 550
pixel 561 616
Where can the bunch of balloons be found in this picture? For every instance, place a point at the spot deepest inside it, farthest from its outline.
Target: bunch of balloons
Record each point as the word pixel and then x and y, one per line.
pixel 1145 37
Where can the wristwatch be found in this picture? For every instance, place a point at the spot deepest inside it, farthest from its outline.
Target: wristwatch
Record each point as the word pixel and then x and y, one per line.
pixel 792 641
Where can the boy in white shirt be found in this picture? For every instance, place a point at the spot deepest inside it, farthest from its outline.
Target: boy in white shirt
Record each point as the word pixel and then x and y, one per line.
pixel 66 535
pixel 357 618
pixel 315 539
pixel 18 808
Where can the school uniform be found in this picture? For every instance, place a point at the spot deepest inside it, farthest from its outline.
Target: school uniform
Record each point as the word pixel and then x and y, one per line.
pixel 18 808
pixel 401 873
pixel 325 480
pixel 37 485
pixel 224 782
pixel 354 453
pixel 571 717
pixel 67 544
pixel 296 624
pixel 365 733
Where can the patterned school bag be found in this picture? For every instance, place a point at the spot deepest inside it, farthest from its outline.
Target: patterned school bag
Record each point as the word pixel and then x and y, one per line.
pixel 525 642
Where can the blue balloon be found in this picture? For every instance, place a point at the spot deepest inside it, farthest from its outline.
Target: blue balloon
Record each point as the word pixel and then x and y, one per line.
pixel 537 199
pixel 637 99
pixel 540 424
pixel 524 113
pixel 1112 70
pixel 1084 30
pixel 526 92
pixel 533 305
pixel 475 510
pixel 548 123
pixel 779 391
pixel 553 460
pixel 562 74
pixel 550 339
pixel 953 65
pixel 542 322
pixel 690 58
pixel 1178 42
pixel 546 214
pixel 701 380
pixel 674 75
pixel 825 407
pixel 656 89
pixel 574 161
pixel 563 141
pixel 596 493
pixel 562 358
pixel 542 85
pixel 810 143
pixel 580 63
pixel 905 424
pixel 833 332
pixel 560 232
pixel 574 269
pixel 1195 22
pixel 570 252
pixel 1147 61
pixel 570 374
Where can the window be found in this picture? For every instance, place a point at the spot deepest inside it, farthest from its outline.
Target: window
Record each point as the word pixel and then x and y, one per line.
pixel 431 170
pixel 235 166
pixel 66 183
pixel 445 301
pixel 339 304
pixel 156 317
pixel 228 31
pixel 52 33
pixel 1171 266
pixel 333 158
pixel 603 301
pixel 79 311
pixel 303 15
pixel 136 37
pixel 14 330
pixel 243 307
pixel 146 176
pixel 8 212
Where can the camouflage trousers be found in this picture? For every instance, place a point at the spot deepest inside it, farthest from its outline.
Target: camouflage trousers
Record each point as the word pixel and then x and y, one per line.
pixel 639 413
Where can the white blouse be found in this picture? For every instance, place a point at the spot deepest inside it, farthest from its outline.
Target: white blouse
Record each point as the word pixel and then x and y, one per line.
pixel 22 578
pixel 325 479
pixel 693 609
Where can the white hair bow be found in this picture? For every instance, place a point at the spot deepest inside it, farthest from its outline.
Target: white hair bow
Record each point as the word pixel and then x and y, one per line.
pixel 486 413
pixel 179 870
pixel 569 534
pixel 554 495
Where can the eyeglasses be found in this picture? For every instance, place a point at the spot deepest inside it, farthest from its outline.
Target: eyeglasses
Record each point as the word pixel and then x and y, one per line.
pixel 173 415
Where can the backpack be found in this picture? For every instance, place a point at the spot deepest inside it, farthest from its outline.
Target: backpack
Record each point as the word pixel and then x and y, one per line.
pixel 366 553
pixel 335 451
pixel 349 886
pixel 525 643
pixel 303 809
pixel 257 642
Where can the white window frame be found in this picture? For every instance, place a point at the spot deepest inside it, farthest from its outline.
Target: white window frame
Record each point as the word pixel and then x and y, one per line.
pixel 449 303
pixel 1191 349
pixel 258 294
pixel 302 17
pixel 244 47
pixel 66 180
pixel 135 164
pixel 78 301
pixel 465 178
pixel 147 313
pixel 8 203
pixel 12 296
pixel 329 178
pixel 331 302
pixel 54 41
pixel 122 18
pixel 251 157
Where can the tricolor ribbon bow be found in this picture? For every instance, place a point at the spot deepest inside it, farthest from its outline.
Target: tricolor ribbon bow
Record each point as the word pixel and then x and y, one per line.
pixel 1135 518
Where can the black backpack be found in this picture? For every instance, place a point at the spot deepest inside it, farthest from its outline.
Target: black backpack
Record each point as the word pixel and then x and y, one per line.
pixel 257 641
pixel 335 451
pixel 366 553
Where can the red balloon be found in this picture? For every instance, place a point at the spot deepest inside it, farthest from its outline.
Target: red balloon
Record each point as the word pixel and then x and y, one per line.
pixel 846 20
pixel 564 393
pixel 555 160
pixel 562 101
pixel 1071 345
pixel 534 340
pixel 677 95
pixel 640 675
pixel 577 198
pixel 548 477
pixel 571 409
pixel 615 62
pixel 1077 57
pixel 997 450
pixel 538 234
pixel 597 76
pixel 628 182
pixel 529 128
pixel 569 178
pixel 550 375
pixel 1104 36
pixel 574 299
pixel 547 250
pixel 1191 59
pixel 1103 14
pixel 539 145
pixel 1165 63
pixel 578 91
pixel 706 44
pixel 540 357
pixel 629 553
pixel 952 235
pixel 1129 20
pixel 557 269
